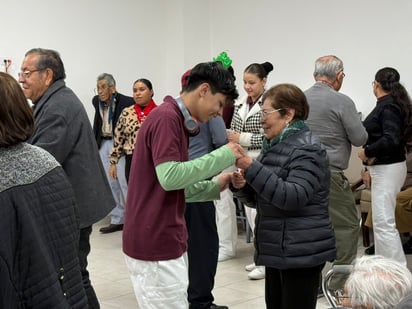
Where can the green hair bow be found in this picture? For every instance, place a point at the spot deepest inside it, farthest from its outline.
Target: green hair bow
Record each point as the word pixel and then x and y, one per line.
pixel 224 59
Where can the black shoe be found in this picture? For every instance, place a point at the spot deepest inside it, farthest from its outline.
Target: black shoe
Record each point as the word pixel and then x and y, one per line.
pixel 214 306
pixel 370 250
pixel 111 228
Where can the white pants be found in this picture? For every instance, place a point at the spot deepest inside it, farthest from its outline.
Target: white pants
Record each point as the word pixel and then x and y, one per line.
pixel 251 217
pixel 160 284
pixel 226 223
pixel 387 181
pixel 119 185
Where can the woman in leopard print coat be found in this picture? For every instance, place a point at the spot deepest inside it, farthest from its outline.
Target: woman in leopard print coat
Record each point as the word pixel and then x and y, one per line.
pixel 129 123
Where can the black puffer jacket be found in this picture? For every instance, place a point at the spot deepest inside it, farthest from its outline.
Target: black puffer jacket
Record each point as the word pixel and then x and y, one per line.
pixel 290 185
pixel 39 233
pixel 385 126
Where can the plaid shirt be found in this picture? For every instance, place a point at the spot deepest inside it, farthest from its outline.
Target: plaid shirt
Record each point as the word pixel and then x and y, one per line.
pixel 247 122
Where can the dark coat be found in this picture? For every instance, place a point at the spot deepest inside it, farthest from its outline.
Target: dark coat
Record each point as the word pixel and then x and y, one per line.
pixel 63 129
pixel 385 126
pixel 122 101
pixel 290 186
pixel 39 267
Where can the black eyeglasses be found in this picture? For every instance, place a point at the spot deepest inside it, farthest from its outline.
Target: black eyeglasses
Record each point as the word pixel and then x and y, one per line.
pixel 27 73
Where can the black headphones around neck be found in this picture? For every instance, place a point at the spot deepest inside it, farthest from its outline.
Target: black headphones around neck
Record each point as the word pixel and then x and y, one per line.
pixel 190 123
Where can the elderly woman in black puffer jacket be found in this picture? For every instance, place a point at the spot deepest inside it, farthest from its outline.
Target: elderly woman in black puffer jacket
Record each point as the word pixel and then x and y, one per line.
pixel 288 183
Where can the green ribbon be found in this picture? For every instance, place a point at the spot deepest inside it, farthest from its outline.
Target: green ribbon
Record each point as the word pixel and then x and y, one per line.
pixel 224 59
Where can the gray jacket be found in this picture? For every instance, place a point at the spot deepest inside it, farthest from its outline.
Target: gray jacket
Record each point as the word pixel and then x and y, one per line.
pixel 63 129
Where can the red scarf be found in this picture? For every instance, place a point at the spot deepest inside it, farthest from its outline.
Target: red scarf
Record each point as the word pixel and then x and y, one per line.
pixel 143 112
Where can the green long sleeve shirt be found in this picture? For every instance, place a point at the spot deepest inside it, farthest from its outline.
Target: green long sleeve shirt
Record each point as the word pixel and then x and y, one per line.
pixel 191 175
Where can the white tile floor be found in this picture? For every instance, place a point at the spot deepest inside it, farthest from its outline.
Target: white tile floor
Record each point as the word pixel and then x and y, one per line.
pixel 232 288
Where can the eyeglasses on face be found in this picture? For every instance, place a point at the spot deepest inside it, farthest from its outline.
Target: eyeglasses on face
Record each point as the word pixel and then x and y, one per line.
pixel 102 88
pixel 27 73
pixel 265 113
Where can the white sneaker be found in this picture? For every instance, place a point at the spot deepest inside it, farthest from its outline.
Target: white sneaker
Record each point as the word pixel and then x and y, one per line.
pixel 224 257
pixel 250 267
pixel 257 274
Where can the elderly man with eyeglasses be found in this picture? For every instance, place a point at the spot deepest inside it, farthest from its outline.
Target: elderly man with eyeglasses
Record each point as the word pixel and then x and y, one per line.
pixel 334 118
pixel 108 105
pixel 62 127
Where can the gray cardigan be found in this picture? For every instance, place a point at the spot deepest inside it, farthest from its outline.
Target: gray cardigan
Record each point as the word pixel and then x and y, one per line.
pixel 334 118
pixel 63 129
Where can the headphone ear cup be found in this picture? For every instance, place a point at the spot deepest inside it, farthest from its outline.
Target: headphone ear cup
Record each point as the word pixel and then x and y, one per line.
pixel 191 124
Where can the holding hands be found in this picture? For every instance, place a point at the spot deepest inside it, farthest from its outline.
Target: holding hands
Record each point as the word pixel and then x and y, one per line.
pixel 224 180
pixel 237 150
pixel 238 179
pixel 243 161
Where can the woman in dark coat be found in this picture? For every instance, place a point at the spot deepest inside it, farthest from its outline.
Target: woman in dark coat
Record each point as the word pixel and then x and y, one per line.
pixel 385 153
pixel 289 184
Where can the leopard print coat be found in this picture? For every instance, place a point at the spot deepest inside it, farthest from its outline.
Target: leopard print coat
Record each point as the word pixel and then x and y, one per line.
pixel 125 134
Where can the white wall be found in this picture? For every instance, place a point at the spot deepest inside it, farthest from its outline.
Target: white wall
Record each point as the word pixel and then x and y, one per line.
pixel 366 35
pixel 129 39
pixel 160 39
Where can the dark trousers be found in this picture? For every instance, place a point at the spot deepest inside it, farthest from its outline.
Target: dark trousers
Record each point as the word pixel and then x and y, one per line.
pixel 84 250
pixel 203 250
pixel 292 288
pixel 128 165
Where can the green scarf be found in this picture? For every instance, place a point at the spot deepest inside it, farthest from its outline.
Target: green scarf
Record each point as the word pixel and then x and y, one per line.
pixel 291 128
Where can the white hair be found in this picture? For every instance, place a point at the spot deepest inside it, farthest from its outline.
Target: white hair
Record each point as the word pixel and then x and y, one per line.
pixel 378 282
pixel 328 66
